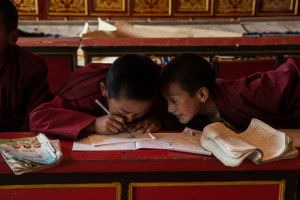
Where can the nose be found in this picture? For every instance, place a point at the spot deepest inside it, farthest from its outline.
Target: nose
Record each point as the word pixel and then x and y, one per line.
pixel 130 118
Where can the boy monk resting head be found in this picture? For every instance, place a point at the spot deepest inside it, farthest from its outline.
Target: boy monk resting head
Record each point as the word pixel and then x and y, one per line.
pixel 196 98
pixel 128 89
pixel 23 75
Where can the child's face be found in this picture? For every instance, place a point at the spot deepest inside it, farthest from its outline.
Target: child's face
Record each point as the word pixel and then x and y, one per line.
pixel 180 103
pixel 129 109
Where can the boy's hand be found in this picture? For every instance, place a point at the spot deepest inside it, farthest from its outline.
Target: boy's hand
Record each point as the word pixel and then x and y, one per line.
pixel 148 125
pixel 109 124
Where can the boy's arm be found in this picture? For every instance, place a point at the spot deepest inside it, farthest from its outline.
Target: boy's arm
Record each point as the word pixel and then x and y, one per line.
pixel 60 117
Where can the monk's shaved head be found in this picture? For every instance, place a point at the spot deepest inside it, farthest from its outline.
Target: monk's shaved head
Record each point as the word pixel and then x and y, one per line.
pixel 133 76
pixel 8 15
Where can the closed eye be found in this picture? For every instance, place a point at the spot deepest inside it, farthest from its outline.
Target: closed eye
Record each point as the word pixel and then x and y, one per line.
pixel 174 101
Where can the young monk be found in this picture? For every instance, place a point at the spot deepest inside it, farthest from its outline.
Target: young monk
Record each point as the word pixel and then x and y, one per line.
pixel 127 88
pixel 196 98
pixel 23 75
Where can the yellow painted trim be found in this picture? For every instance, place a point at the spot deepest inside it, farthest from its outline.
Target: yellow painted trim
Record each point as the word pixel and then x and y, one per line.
pixel 282 190
pixel 281 184
pixel 107 12
pixel 206 183
pixel 251 13
pixel 212 7
pixel 254 7
pixel 31 13
pixel 197 13
pixel 293 10
pixel 170 7
pixel 292 5
pixel 70 13
pixel 154 14
pixel 296 6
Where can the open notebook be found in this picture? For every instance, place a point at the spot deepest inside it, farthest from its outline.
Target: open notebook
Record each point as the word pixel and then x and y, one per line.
pixel 183 142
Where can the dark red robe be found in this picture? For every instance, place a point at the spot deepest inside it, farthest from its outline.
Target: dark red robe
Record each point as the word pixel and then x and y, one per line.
pixel 24 87
pixel 74 108
pixel 273 97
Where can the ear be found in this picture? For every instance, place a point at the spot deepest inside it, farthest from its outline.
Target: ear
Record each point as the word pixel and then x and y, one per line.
pixel 13 36
pixel 103 89
pixel 203 94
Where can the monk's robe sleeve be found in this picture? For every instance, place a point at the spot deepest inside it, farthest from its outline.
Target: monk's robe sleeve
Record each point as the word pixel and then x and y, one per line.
pixel 273 97
pixel 66 118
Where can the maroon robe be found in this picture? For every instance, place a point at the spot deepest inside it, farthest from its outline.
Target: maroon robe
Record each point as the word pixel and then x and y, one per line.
pixel 24 88
pixel 74 108
pixel 273 97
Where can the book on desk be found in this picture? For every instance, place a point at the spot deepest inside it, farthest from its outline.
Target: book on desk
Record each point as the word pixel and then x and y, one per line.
pixel 183 142
pixel 260 143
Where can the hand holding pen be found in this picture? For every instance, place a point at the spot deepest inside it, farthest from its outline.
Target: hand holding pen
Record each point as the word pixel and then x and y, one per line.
pixel 107 112
pixel 114 123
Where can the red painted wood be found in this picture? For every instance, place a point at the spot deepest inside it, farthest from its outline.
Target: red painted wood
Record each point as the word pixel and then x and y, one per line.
pixel 228 41
pixel 239 69
pixel 48 42
pixel 83 193
pixel 224 192
pixel 58 69
pixel 145 160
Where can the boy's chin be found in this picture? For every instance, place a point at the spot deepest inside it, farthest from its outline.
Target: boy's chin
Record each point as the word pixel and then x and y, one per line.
pixel 184 121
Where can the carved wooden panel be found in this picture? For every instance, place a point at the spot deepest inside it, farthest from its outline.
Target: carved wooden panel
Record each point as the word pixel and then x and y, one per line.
pixel 67 7
pixel 151 7
pixel 275 7
pixel 167 9
pixel 192 7
pixel 109 7
pixel 235 7
pixel 26 7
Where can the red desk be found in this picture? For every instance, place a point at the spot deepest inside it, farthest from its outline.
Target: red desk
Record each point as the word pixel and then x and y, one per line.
pixel 149 174
pixel 60 55
pixel 248 46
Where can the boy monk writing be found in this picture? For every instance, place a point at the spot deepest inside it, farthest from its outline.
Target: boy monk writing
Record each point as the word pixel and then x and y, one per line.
pixel 127 88
pixel 196 98
pixel 23 75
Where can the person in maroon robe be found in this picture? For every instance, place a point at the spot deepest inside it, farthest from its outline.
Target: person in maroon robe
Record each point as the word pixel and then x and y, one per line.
pixel 23 75
pixel 127 88
pixel 196 98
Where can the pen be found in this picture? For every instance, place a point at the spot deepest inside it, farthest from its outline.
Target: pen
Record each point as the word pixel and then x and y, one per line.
pixel 105 110
pixel 152 136
pixel 102 106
